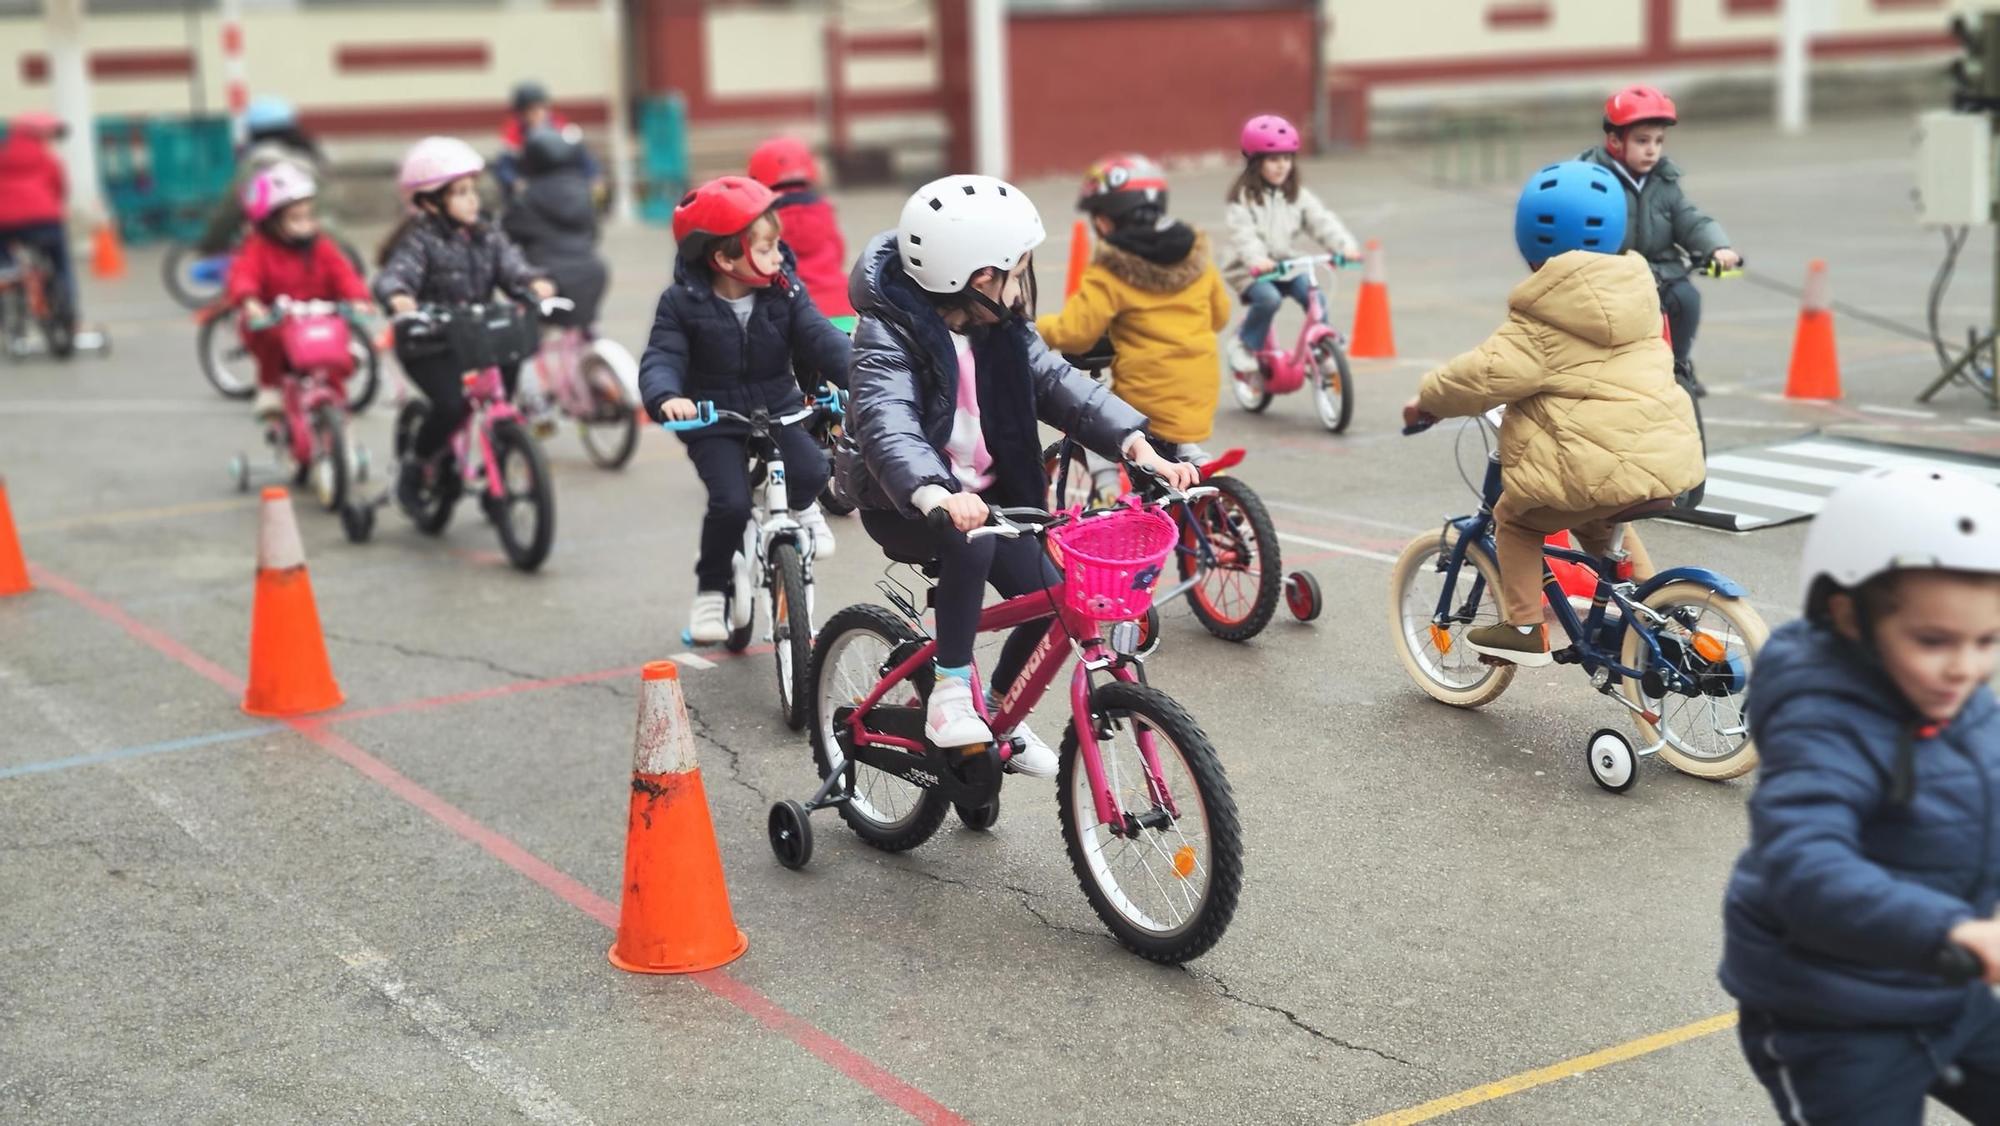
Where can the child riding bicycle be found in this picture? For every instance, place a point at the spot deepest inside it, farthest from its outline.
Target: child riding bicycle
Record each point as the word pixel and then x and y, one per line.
pixel 1664 227
pixel 1268 210
pixel 445 253
pixel 1872 856
pixel 1595 423
pixel 33 195
pixel 728 330
pixel 812 231
pixel 554 222
pixel 949 381
pixel 285 257
pixel 1153 287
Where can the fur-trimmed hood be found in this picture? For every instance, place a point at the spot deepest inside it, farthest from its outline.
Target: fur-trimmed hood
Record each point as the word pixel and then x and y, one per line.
pixel 1154 277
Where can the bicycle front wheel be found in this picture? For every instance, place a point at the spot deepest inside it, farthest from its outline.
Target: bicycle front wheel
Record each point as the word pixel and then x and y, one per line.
pixel 1714 639
pixel 1433 653
pixel 1234 595
pixel 224 361
pixel 1166 880
pixel 526 520
pixel 611 433
pixel 330 459
pixel 366 378
pixel 791 633
pixel 181 269
pixel 1333 385
pixel 850 658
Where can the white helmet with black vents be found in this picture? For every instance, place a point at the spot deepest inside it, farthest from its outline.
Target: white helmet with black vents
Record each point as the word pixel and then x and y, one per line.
pixel 1901 519
pixel 955 227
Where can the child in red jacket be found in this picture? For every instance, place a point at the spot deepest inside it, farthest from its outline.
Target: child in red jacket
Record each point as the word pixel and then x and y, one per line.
pixel 284 256
pixel 33 196
pixel 786 166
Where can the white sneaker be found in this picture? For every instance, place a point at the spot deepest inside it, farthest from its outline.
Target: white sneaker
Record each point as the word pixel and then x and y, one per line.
pixel 1035 759
pixel 707 621
pixel 814 522
pixel 1240 357
pixel 269 403
pixel 951 720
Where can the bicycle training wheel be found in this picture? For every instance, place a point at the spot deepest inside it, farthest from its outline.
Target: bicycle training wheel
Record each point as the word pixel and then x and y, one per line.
pixel 1166 882
pixel 611 432
pixel 1333 385
pixel 224 361
pixel 1715 638
pixel 791 633
pixel 526 519
pixel 1435 655
pixel 1235 595
pixel 848 661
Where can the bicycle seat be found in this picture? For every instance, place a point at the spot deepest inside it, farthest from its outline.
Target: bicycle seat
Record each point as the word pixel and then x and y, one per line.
pixel 925 565
pixel 1645 509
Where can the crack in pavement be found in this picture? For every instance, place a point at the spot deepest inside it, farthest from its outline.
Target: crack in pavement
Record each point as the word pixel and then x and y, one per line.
pixel 705 731
pixel 1028 905
pixel 433 655
pixel 1297 1022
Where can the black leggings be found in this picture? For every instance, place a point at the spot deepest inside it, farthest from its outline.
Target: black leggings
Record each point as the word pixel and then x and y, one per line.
pixel 723 464
pixel 965 567
pixel 441 379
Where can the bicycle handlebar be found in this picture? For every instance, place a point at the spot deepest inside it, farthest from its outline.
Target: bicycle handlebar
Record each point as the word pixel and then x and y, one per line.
pixel 429 315
pixel 708 414
pixel 1714 269
pixel 285 307
pixel 1286 266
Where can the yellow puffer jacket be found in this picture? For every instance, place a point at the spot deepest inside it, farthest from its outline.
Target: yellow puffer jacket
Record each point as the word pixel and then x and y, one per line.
pixel 1163 320
pixel 1594 417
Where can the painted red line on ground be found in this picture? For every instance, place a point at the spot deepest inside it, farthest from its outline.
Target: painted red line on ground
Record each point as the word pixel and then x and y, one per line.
pixel 430 702
pixel 167 646
pixel 745 997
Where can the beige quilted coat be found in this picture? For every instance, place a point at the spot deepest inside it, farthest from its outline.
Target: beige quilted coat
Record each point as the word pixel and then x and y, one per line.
pixel 1594 417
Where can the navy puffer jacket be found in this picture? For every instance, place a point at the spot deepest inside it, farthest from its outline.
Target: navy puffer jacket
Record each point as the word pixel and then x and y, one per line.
pixel 699 351
pixel 904 383
pixel 1861 857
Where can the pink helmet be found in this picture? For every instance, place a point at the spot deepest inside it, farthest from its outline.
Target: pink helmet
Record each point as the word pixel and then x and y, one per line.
pixel 36 123
pixel 276 188
pixel 1269 133
pixel 436 161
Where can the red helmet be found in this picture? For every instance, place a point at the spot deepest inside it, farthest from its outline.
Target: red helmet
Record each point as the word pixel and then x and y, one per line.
pixel 1121 183
pixel 783 160
pixel 1634 104
pixel 726 205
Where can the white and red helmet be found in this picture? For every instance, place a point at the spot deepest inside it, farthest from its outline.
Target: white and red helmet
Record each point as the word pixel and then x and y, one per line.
pixel 436 161
pixel 276 188
pixel 1268 133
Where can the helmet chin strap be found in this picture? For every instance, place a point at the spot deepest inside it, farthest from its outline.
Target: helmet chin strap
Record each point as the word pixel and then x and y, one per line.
pixel 1003 314
pixel 754 278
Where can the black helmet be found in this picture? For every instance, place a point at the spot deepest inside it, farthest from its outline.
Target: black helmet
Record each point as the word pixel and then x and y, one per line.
pixel 529 93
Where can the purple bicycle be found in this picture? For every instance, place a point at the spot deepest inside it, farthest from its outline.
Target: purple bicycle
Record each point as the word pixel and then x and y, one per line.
pixel 1147 815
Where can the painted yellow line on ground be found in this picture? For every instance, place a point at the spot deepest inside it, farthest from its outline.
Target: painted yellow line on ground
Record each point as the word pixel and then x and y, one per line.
pixel 137 515
pixel 1527 1080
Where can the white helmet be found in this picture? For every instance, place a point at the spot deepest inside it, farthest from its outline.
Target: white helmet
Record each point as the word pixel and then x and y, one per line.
pixel 1908 519
pixel 436 161
pixel 955 227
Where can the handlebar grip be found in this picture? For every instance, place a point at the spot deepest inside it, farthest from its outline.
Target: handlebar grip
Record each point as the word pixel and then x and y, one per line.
pixel 1956 964
pixel 1418 427
pixel 704 415
pixel 939 520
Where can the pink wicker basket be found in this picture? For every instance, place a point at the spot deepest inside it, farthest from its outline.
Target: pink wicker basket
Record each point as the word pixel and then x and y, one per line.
pixel 1111 562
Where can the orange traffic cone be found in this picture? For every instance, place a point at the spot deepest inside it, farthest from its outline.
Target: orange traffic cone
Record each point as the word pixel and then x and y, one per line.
pixel 1373 338
pixel 13 568
pixel 1577 580
pixel 1815 371
pixel 108 259
pixel 289 673
pixel 1079 257
pixel 675 918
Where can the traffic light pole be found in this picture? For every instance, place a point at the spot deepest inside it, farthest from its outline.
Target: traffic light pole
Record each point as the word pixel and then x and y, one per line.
pixel 1985 95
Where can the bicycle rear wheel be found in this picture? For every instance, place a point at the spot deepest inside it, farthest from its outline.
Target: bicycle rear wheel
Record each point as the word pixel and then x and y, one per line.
pixel 850 658
pixel 611 433
pixel 1716 638
pixel 1434 655
pixel 526 519
pixel 224 361
pixel 179 270
pixel 791 633
pixel 1236 596
pixel 1166 881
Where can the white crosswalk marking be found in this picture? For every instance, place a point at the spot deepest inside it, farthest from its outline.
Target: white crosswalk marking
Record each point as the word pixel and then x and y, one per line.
pixel 1761 486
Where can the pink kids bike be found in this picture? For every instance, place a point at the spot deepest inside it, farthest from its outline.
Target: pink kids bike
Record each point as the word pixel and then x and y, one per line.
pixel 590 381
pixel 308 439
pixel 1147 816
pixel 1318 360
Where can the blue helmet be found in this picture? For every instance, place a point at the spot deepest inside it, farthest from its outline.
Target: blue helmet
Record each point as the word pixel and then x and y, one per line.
pixel 1575 205
pixel 269 112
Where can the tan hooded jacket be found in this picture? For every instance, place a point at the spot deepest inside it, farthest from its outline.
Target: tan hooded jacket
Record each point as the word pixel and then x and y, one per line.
pixel 1594 416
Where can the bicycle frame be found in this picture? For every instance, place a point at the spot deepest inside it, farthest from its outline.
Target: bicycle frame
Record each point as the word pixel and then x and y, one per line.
pixel 487 395
pixel 559 365
pixel 1285 372
pixel 1034 680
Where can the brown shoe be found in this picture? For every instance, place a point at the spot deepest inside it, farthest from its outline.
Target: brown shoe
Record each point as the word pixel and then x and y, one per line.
pixel 1527 646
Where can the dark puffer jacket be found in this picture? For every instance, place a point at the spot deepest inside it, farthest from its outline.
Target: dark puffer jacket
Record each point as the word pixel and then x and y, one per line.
pixel 1845 893
pixel 904 385
pixel 699 351
pixel 554 221
pixel 1661 224
pixel 439 262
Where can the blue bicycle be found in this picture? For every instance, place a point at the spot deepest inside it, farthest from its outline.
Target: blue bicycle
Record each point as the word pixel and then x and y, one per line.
pixel 1674 650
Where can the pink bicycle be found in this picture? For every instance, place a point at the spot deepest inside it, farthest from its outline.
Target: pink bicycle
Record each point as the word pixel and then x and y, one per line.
pixel 1319 359
pixel 309 438
pixel 1147 815
pixel 586 380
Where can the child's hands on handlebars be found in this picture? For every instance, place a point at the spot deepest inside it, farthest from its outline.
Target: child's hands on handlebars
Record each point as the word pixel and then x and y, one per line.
pixel 1726 258
pixel 678 410
pixel 1982 937
pixel 966 510
pixel 1415 417
pixel 1178 474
